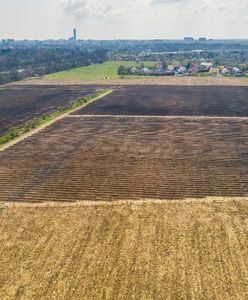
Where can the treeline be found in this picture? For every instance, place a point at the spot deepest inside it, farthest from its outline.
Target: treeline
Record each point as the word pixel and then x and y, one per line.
pixel 17 64
pixel 155 46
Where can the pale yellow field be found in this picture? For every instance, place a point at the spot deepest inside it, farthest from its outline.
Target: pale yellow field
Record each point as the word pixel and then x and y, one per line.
pixel 125 250
pixel 163 80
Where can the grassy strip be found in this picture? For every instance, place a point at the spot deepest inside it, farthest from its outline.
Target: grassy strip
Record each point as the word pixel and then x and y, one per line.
pixel 15 132
pixel 108 69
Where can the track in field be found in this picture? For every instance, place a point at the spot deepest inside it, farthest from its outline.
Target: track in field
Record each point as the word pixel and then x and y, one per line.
pixel 173 101
pixel 111 158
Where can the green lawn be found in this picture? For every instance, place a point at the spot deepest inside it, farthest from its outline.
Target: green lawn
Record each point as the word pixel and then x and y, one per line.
pixel 98 71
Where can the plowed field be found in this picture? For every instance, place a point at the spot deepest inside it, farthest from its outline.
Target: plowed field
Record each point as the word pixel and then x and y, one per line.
pixel 173 101
pixel 19 104
pixel 111 158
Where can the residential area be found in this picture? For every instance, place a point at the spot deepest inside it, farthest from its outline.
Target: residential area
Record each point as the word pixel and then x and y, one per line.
pixel 200 68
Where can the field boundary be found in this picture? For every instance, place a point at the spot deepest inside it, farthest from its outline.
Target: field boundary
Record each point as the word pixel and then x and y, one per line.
pixel 168 81
pixel 123 202
pixel 158 117
pixel 54 117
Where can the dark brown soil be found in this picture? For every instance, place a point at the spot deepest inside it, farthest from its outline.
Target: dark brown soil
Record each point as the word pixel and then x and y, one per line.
pixel 19 104
pixel 111 158
pixel 173 101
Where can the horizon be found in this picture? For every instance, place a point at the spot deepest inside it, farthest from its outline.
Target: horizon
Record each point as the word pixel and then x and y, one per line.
pixel 195 39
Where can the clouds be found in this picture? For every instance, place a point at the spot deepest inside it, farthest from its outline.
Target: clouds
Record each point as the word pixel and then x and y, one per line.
pixel 86 9
pixel 105 19
pixel 166 1
pixel 118 9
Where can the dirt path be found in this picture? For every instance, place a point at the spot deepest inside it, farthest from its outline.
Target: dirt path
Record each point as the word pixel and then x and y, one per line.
pixel 32 132
pixel 141 202
pixel 160 117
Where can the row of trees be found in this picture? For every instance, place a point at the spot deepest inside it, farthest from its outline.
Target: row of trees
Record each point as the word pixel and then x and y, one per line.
pixel 17 64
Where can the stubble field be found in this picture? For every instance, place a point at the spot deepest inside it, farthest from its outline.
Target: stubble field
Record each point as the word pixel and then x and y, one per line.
pixel 125 251
pixel 147 80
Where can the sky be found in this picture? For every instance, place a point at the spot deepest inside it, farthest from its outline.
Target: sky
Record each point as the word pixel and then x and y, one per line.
pixel 123 19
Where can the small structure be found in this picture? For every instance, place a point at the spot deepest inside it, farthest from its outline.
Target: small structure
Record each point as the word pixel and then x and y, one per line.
pixel 171 68
pixel 194 69
pixel 237 72
pixel 182 70
pixel 214 70
pixel 207 65
pixel 134 70
pixel 225 71
pixel 189 39
pixel 159 65
pixel 145 71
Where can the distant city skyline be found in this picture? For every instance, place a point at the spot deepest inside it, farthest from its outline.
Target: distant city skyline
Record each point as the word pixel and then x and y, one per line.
pixel 130 19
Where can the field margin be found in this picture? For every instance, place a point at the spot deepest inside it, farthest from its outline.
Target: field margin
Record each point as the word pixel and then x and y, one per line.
pixel 114 203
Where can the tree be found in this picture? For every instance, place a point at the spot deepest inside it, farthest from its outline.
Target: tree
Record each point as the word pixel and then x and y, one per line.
pixel 122 70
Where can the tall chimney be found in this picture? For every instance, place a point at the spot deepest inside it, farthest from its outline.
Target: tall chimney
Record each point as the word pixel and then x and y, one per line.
pixel 75 34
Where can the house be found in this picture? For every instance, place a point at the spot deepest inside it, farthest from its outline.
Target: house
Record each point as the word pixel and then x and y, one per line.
pixel 134 70
pixel 182 70
pixel 207 65
pixel 225 71
pixel 214 70
pixel 145 71
pixel 237 72
pixel 193 68
pixel 159 65
pixel 171 68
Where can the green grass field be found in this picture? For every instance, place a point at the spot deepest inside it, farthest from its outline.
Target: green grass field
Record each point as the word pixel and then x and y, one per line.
pixel 99 71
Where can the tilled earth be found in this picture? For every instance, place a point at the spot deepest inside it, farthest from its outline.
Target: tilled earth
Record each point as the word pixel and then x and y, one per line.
pixel 111 158
pixel 19 104
pixel 225 101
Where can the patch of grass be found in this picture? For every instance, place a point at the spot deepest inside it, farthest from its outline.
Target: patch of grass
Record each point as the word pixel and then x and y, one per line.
pixel 15 132
pixel 108 69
